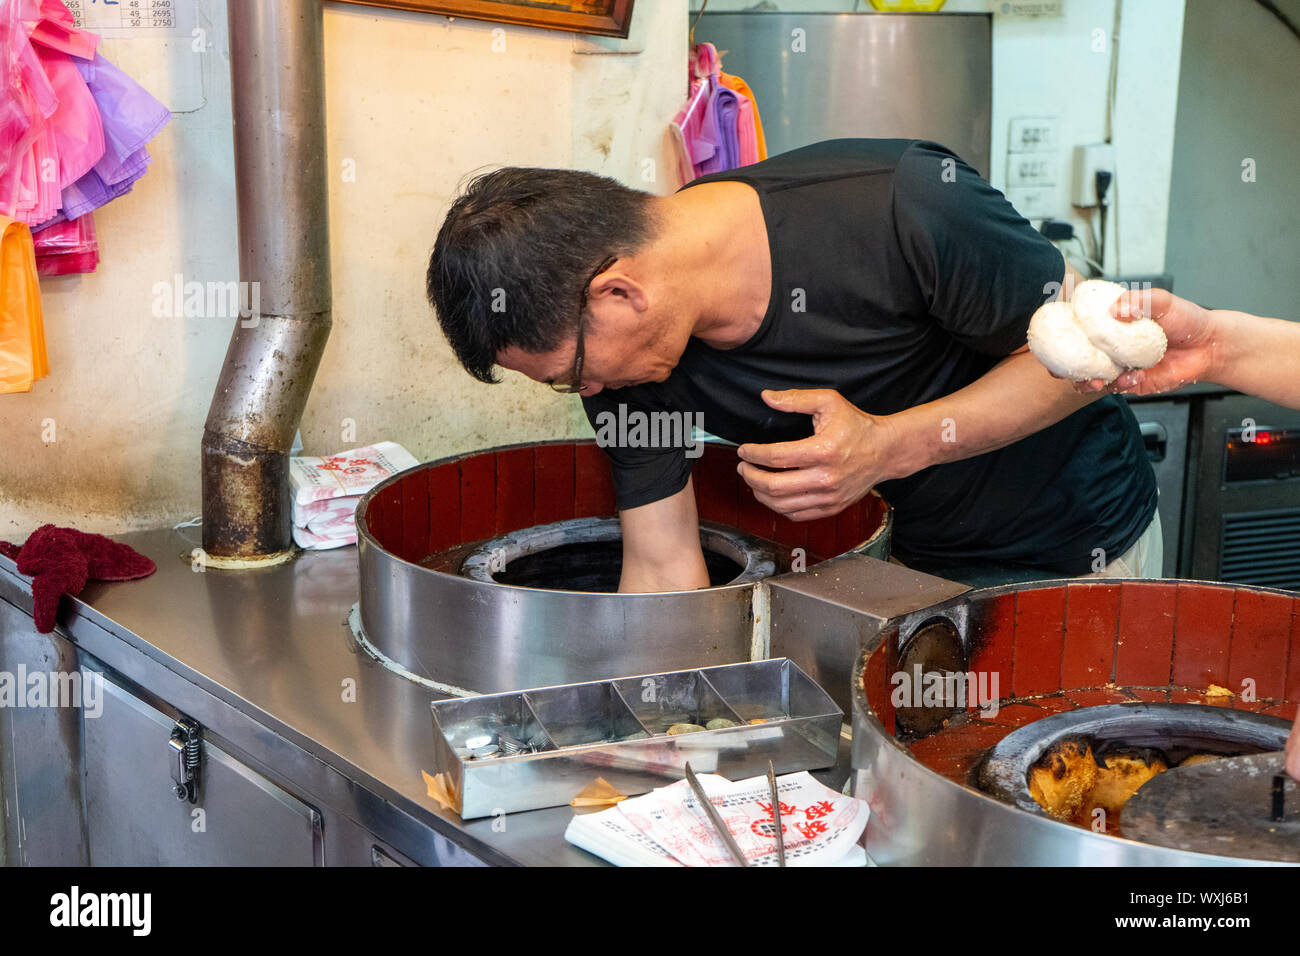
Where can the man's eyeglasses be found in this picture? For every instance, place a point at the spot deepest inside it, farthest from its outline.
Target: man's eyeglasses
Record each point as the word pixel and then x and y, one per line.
pixel 575 383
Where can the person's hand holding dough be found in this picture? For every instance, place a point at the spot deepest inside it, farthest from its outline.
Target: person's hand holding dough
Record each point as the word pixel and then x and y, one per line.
pixel 1190 355
pixel 1082 340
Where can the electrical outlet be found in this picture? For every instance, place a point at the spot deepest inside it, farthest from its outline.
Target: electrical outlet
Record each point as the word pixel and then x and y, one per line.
pixel 1032 134
pixel 1031 169
pixel 1088 160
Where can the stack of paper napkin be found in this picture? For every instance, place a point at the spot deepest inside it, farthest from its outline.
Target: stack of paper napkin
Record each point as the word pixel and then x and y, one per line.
pixel 326 491
pixel 666 827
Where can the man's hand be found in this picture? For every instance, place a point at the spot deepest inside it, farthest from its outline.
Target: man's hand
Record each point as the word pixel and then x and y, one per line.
pixel 822 475
pixel 661 545
pixel 1191 334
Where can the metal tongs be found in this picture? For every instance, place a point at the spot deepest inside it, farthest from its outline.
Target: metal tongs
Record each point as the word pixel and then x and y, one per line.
pixel 776 814
pixel 711 812
pixel 728 840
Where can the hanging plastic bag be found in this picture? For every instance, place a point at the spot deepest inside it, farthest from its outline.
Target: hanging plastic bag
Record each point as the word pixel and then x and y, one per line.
pixel 131 118
pixel 22 332
pixel 77 133
pixel 722 111
pixel 89 193
pixel 67 248
pixel 73 127
pixel 26 99
pixel 57 29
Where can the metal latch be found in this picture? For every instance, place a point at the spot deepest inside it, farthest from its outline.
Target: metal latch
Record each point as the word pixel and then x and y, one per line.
pixel 185 748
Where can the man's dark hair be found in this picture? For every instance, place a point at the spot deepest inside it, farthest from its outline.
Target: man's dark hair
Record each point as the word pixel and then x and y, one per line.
pixel 510 260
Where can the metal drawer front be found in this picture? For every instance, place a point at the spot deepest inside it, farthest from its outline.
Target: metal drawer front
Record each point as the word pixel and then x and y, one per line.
pixel 133 817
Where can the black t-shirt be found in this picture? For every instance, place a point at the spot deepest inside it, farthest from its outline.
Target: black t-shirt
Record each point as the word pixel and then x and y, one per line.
pixel 898 277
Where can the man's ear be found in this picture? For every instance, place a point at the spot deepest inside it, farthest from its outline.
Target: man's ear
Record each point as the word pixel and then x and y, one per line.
pixel 619 285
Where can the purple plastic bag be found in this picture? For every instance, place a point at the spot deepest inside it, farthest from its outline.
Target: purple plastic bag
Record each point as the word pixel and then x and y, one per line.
pixel 720 128
pixel 90 192
pixel 131 117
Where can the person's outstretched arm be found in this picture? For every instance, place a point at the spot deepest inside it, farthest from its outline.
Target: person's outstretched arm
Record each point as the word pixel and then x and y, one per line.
pixel 1252 354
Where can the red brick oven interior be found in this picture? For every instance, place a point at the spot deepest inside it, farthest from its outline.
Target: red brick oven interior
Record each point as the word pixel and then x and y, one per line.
pixel 438 507
pixel 1064 646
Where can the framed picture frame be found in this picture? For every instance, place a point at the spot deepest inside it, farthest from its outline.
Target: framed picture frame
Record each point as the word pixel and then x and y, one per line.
pixel 610 18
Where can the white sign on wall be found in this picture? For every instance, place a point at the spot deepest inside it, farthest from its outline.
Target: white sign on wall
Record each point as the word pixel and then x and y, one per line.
pixel 134 17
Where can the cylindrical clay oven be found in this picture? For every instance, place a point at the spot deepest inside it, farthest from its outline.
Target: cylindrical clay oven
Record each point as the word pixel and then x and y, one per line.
pixel 493 571
pixel 1096 689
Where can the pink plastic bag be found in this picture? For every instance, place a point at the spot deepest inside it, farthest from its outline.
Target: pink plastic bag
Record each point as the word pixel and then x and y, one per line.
pixel 78 134
pixel 67 247
pixel 73 127
pixel 57 29
pixel 26 98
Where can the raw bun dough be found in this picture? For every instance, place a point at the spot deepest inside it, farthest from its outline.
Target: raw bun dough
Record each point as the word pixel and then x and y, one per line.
pixel 1080 340
pixel 1059 343
pixel 1138 344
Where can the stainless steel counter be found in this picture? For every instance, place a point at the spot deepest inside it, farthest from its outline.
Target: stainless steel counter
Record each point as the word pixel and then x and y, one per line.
pixel 274 644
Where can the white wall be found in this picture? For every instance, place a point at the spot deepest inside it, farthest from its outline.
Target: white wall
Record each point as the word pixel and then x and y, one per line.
pixel 1233 241
pixel 1047 66
pixel 416 102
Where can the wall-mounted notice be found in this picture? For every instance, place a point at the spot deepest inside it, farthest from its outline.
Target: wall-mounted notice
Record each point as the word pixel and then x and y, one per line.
pixel 135 17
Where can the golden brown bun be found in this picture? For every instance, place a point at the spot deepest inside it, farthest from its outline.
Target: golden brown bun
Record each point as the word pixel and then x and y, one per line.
pixel 1061 781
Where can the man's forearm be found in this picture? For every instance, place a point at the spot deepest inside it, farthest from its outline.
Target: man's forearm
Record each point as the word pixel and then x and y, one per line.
pixel 1257 356
pixel 1017 397
pixel 661 545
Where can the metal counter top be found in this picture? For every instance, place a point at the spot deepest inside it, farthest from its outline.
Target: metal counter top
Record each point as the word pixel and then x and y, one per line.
pixel 275 644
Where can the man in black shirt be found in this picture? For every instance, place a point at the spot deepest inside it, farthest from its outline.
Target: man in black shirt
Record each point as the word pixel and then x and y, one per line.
pixel 852 313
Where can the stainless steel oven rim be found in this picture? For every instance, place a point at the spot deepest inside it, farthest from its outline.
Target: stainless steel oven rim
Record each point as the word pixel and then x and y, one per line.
pixel 495 637
pixel 755 559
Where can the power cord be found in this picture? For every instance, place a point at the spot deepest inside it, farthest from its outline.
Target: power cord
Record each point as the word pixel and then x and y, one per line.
pixel 1092 264
pixel 1058 231
pixel 1102 183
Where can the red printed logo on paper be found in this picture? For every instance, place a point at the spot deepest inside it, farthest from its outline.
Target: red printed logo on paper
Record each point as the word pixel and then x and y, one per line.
pixel 349 466
pixel 819 810
pixel 811 829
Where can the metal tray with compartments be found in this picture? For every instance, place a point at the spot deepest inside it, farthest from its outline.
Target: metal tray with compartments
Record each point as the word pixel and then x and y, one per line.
pixel 523 750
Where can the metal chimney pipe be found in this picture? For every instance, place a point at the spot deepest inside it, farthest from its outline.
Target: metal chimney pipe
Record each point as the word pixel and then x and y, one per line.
pixel 277 71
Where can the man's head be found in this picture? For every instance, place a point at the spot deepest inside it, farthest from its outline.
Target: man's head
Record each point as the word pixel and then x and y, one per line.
pixel 514 260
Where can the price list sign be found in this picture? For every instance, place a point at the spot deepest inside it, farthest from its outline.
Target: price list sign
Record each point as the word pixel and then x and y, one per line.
pixel 134 17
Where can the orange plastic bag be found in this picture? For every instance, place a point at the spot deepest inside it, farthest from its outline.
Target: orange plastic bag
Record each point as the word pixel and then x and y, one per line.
pixel 22 332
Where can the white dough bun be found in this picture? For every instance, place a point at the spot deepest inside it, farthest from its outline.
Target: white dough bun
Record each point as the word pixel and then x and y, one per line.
pixel 1060 344
pixel 1081 340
